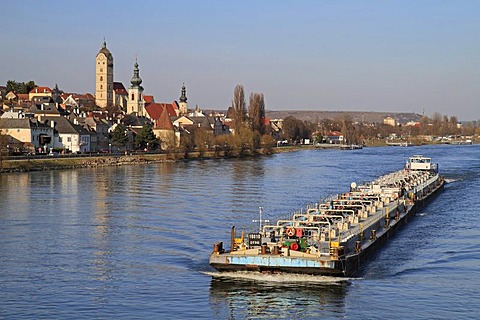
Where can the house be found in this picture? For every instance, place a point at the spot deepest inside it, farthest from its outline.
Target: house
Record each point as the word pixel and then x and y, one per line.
pixel 45 106
pixel 27 134
pixel 39 92
pixel 165 131
pixel 69 136
pixel 98 129
pixel 389 121
pixel 11 96
pixel 219 127
pixel 68 101
pixel 334 137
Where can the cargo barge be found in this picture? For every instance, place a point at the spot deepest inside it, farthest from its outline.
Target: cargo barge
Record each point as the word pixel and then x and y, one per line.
pixel 335 237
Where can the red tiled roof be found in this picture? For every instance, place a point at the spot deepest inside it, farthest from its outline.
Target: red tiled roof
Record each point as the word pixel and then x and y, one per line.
pixel 155 109
pixel 164 122
pixel 22 96
pixel 148 99
pixel 334 134
pixel 41 90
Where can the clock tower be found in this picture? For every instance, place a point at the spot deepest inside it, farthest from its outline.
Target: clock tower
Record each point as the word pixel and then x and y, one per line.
pixel 104 77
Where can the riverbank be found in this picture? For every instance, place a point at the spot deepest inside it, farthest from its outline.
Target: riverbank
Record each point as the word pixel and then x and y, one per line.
pixel 59 162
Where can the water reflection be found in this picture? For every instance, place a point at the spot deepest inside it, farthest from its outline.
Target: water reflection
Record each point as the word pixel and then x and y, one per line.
pixel 241 298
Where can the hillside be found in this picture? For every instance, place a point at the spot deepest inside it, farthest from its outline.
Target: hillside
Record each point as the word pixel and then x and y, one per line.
pixel 360 116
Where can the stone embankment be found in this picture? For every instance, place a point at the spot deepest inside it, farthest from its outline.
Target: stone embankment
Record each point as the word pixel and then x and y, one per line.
pixel 60 162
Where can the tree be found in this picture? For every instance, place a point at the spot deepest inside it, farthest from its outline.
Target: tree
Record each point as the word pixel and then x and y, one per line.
pixel 294 129
pixel 118 136
pixel 20 87
pixel 239 109
pixel 146 138
pixel 256 112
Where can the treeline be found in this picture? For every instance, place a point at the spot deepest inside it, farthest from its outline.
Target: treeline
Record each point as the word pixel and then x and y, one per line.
pixel 20 87
pixel 354 132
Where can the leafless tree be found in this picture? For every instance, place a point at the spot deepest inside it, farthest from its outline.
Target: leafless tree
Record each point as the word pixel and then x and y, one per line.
pixel 256 112
pixel 239 108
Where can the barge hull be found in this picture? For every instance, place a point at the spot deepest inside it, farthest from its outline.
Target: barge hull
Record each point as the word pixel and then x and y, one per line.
pixel 354 263
pixel 351 249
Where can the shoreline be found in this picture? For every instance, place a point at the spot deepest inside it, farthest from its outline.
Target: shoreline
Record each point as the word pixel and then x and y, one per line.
pixel 63 163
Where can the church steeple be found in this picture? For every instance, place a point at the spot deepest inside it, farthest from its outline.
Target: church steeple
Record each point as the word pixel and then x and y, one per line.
pixel 183 106
pixel 183 97
pixel 135 103
pixel 136 80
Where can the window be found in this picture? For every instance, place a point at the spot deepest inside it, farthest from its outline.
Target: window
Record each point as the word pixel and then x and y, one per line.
pixel 133 97
pixel 69 139
pixel 101 87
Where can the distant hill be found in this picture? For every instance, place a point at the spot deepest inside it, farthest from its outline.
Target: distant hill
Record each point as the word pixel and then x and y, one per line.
pixel 360 116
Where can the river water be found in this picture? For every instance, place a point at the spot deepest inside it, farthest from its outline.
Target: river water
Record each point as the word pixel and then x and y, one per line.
pixel 133 242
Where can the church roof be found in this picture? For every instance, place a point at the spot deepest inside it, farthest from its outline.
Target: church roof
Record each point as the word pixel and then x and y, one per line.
pixel 119 88
pixel 148 99
pixel 164 122
pixel 154 110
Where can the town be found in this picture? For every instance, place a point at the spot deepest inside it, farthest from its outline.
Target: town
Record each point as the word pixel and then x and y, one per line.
pixel 43 120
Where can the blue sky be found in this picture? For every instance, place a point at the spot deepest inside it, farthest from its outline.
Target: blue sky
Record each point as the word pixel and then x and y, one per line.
pixel 401 56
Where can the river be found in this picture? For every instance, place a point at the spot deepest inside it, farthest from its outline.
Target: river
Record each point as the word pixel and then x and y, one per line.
pixel 132 242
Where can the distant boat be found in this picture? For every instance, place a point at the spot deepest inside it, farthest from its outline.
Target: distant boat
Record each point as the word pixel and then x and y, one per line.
pixel 460 142
pixel 338 146
pixel 399 143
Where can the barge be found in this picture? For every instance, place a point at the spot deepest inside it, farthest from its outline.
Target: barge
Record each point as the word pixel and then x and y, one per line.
pixel 335 237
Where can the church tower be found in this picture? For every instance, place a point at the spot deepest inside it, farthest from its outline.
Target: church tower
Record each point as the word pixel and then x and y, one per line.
pixel 135 102
pixel 183 106
pixel 104 77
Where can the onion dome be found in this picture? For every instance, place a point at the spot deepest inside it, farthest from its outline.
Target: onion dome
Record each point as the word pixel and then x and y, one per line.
pixel 183 97
pixel 136 80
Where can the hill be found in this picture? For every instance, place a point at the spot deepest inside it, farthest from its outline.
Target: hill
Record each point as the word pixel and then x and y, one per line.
pixel 359 116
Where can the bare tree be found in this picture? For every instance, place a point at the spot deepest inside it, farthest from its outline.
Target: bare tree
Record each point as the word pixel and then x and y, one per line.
pixel 239 109
pixel 256 112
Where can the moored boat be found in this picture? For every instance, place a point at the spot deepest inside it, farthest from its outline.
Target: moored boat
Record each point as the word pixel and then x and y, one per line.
pixel 337 236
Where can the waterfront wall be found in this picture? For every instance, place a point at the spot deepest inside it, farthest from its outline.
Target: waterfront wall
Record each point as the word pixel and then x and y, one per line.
pixel 58 163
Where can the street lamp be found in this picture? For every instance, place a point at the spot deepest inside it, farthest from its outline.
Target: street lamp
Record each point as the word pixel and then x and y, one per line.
pixel 109 148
